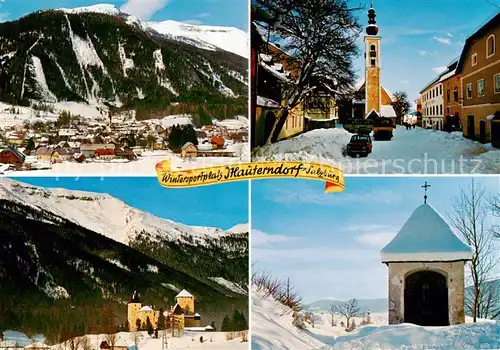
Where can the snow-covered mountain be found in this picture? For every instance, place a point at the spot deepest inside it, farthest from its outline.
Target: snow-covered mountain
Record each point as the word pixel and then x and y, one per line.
pixel 78 253
pixel 104 57
pixel 206 37
pixel 110 216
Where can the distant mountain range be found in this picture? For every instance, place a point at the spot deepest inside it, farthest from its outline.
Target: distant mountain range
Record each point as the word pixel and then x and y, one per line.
pixel 69 257
pixel 101 55
pixel 371 305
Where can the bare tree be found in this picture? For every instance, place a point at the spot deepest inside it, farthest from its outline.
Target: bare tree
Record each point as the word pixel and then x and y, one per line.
pixel 495 208
pixel 86 343
pixel 348 309
pixel 111 338
pixel 289 297
pixel 310 316
pixel 136 338
pixel 332 311
pixel 470 221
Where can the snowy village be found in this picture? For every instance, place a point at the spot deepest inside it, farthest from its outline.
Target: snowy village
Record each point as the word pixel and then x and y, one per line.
pixel 325 99
pixel 98 96
pixel 426 279
pixel 72 144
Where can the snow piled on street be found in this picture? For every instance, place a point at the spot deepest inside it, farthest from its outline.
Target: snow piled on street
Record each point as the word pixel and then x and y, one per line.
pixel 412 151
pixel 272 329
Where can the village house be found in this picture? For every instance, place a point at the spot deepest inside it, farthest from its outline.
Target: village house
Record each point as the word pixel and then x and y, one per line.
pixel 66 133
pixel 479 69
pixel 15 138
pixel 89 150
pixel 432 105
pixel 47 154
pixel 452 102
pixel 11 155
pixel 320 107
pixel 105 154
pixel 189 150
pixel 217 142
pixel 426 264
pixel 65 154
pixel 125 153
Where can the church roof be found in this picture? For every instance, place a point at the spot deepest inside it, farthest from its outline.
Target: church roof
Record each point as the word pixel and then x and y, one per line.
pixel 146 308
pixel 361 84
pixel 425 237
pixel 184 294
pixel 387 111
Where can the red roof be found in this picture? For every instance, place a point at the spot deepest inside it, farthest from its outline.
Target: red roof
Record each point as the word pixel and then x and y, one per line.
pixel 105 152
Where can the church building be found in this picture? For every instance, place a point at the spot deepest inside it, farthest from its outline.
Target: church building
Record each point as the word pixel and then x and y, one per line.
pixel 426 263
pixel 370 98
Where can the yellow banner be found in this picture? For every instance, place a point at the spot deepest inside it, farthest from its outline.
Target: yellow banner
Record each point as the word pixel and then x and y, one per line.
pixel 334 177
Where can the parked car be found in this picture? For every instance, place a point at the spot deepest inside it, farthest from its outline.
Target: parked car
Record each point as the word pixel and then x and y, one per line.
pixel 359 145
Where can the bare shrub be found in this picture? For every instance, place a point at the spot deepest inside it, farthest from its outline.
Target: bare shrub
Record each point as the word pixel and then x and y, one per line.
pixel 282 290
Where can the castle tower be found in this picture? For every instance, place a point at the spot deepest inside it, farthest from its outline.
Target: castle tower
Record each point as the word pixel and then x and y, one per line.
pixel 373 92
pixel 134 305
pixel 426 264
pixel 186 301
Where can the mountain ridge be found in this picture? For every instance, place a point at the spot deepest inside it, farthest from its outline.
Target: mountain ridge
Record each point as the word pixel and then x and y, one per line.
pixel 105 59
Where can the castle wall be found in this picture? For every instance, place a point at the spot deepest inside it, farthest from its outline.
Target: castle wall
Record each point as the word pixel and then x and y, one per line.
pixel 454 272
pixel 191 322
pixel 133 315
pixel 187 304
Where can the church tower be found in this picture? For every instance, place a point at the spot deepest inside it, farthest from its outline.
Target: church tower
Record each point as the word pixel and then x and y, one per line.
pixel 372 65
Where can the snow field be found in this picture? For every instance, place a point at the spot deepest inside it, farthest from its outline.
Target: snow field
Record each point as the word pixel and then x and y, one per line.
pixel 413 151
pixel 272 329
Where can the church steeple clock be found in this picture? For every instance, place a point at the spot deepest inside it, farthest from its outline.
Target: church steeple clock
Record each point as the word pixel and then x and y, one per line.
pixel 372 64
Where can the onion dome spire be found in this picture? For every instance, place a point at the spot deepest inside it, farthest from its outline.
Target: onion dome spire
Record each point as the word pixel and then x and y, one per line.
pixel 372 28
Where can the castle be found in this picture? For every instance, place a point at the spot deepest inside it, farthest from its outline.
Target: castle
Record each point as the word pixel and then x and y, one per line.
pixel 182 313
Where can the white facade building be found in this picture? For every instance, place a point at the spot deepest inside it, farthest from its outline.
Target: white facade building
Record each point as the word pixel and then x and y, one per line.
pixel 432 106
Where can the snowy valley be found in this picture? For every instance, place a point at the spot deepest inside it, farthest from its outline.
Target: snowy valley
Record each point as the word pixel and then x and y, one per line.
pixel 82 253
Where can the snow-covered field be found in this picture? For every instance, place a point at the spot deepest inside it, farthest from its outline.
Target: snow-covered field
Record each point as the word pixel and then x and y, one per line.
pixel 272 329
pixel 188 340
pixel 144 166
pixel 413 151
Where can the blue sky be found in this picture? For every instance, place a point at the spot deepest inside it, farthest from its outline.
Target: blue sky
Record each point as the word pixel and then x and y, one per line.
pixel 232 13
pixel 221 206
pixel 420 37
pixel 329 244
